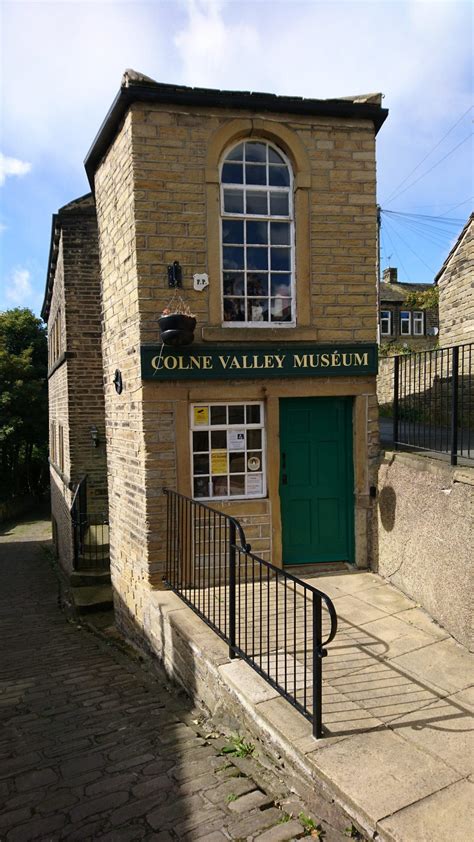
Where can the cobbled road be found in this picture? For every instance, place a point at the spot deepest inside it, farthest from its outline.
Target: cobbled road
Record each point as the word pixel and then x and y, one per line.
pixel 93 745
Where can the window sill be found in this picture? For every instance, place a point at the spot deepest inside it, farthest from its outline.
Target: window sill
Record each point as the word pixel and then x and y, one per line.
pixel 66 355
pixel 258 334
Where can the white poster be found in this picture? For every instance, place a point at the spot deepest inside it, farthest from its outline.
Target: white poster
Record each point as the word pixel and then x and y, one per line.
pixel 254 483
pixel 236 439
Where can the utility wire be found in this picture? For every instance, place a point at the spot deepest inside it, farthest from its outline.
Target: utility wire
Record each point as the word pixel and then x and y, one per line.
pixel 386 232
pixel 412 251
pixel 400 193
pixel 458 206
pixel 429 153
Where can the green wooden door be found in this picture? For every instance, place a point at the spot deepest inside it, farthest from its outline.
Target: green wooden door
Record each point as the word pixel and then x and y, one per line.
pixel 316 480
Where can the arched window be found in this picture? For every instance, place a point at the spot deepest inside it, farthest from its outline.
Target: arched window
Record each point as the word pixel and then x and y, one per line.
pixel 257 236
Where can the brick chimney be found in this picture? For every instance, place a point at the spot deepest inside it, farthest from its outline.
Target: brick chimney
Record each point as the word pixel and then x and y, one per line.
pixel 390 276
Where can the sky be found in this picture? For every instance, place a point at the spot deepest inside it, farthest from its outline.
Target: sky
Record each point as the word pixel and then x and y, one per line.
pixel 62 63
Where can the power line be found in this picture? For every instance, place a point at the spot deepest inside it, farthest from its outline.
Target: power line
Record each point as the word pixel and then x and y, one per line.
pixel 387 234
pixel 412 251
pixel 393 198
pixel 429 153
pixel 460 204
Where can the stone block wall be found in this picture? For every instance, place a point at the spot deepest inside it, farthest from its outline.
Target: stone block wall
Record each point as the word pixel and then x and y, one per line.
pixel 456 292
pixel 426 536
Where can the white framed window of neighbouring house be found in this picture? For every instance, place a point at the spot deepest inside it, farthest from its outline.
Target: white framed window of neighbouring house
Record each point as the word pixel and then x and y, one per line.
pixel 418 323
pixel 386 322
pixel 257 236
pixel 405 323
pixel 228 450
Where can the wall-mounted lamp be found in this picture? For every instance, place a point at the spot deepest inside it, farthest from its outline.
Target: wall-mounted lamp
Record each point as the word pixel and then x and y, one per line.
pixel 175 275
pixel 95 436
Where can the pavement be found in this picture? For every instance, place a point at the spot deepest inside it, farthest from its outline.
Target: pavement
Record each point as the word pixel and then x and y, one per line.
pixel 398 698
pixel 96 744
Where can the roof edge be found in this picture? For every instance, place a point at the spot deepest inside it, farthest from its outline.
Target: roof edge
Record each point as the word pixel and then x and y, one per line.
pixel 456 245
pixel 137 88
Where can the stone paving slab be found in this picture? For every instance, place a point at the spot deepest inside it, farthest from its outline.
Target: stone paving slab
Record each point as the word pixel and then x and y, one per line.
pixel 96 745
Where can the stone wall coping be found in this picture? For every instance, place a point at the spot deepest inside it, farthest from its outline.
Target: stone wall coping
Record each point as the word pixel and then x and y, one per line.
pixel 428 464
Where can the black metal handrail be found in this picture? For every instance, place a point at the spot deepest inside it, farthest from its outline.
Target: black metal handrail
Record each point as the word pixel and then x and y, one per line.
pixel 90 531
pixel 78 512
pixel 433 405
pixel 268 617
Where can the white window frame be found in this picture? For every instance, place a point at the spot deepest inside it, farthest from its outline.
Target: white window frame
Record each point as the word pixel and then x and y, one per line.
pixel 386 318
pixel 406 320
pixel 208 427
pixel 259 218
pixel 418 322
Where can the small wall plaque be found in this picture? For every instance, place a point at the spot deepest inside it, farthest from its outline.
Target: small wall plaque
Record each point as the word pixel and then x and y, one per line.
pixel 201 281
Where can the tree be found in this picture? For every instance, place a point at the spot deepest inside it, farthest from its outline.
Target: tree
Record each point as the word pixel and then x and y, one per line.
pixel 23 403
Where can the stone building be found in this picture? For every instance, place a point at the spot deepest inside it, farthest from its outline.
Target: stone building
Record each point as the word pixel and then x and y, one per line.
pixel 402 325
pixel 455 280
pixel 265 205
pixel 71 309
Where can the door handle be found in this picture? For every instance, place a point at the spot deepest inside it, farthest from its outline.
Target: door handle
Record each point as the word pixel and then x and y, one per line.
pixel 283 460
pixel 284 479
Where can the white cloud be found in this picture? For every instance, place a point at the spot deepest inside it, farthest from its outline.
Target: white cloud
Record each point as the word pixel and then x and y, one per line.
pixel 12 166
pixel 19 290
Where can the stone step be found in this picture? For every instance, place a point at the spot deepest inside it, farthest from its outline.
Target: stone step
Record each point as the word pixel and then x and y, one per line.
pixel 90 577
pixel 89 599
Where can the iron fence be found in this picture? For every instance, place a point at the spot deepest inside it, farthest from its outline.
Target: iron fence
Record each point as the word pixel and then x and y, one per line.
pixel 433 407
pixel 90 532
pixel 271 619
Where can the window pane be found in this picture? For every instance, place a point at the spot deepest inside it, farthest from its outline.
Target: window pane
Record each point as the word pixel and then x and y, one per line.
pixel 232 231
pixel 254 439
pixel 233 201
pixel 278 176
pixel 257 283
pixel 280 258
pixel 218 416
pixel 236 154
pixel 233 283
pixel 233 257
pixel 257 258
pixel 253 414
pixel 256 202
pixel 200 440
pixel 218 440
pixel 274 157
pixel 236 414
pixel 232 174
pixel 237 485
pixel 279 204
pixel 201 464
pixel 201 487
pixel 219 486
pixel 281 285
pixel 257 232
pixel 234 310
pixel 257 310
pixel 255 152
pixel 255 174
pixel 280 233
pixel 281 309
pixel 237 463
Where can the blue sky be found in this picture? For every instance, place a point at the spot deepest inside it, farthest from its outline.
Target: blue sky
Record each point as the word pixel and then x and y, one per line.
pixel 62 64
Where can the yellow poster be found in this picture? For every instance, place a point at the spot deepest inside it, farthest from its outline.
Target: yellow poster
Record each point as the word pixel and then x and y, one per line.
pixel 218 462
pixel 201 415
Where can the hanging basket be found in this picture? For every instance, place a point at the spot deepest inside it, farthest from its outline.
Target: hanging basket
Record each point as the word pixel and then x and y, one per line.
pixel 177 329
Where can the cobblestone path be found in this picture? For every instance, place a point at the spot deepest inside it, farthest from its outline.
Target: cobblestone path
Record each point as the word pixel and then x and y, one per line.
pixel 93 745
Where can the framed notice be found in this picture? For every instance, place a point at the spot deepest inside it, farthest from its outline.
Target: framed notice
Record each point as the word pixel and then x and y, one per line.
pixel 254 484
pixel 218 462
pixel 236 439
pixel 201 415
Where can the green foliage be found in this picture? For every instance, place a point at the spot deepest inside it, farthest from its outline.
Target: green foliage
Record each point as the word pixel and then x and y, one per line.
pixel 284 819
pixel 427 299
pixel 352 832
pixel 312 829
pixel 23 403
pixel 238 747
pixel 231 797
pixel 391 349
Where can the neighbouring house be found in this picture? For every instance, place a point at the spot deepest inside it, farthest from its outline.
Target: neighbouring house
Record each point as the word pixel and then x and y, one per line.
pixel 72 310
pixel 403 325
pixel 259 213
pixel 455 281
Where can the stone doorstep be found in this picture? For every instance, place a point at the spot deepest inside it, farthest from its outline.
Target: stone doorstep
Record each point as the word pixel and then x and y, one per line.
pixel 237 696
pixel 92 598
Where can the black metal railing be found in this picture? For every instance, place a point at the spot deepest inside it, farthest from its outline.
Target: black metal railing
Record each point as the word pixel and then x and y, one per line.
pixel 90 532
pixel 275 622
pixel 433 406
